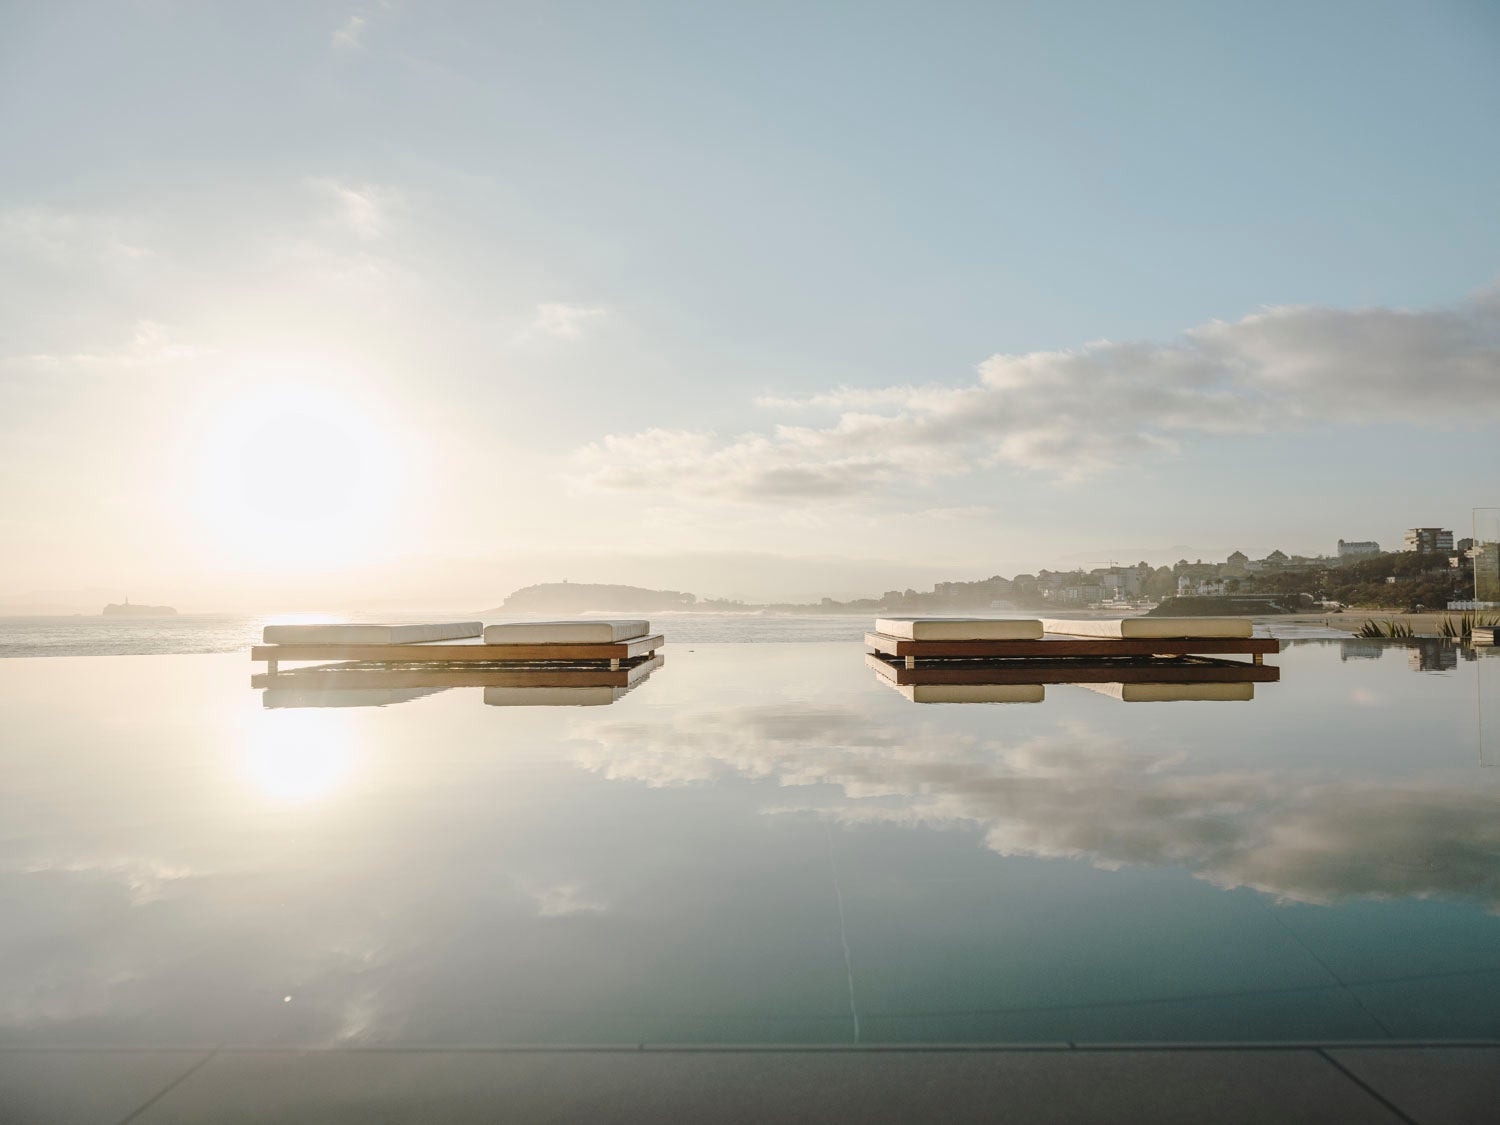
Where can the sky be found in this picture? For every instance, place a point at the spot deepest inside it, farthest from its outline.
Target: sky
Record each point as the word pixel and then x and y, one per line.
pixel 354 305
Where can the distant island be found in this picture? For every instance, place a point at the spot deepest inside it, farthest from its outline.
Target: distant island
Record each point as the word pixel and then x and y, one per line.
pixel 583 597
pixel 127 609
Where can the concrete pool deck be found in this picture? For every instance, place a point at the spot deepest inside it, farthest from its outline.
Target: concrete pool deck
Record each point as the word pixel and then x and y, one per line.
pixel 1428 1083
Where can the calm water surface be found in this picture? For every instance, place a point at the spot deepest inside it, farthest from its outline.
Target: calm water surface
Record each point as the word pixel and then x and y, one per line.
pixel 201 633
pixel 759 843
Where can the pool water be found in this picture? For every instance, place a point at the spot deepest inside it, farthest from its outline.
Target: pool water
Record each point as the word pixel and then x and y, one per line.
pixel 759 843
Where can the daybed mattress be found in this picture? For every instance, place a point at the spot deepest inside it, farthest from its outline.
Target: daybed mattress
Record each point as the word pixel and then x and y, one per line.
pixel 1153 628
pixel 369 634
pixel 959 628
pixel 565 632
pixel 972 693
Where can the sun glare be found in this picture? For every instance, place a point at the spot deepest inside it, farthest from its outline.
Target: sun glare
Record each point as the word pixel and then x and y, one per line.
pixel 299 756
pixel 291 474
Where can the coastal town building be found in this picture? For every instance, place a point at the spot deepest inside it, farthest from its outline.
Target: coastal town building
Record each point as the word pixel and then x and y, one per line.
pixel 1355 548
pixel 1429 540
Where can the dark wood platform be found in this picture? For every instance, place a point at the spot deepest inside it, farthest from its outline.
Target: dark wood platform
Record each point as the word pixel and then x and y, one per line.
pixel 1134 670
pixel 459 652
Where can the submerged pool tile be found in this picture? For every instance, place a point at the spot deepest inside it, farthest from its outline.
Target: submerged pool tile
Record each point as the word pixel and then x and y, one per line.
pixel 1312 1015
pixel 1463 1006
pixel 1039 1088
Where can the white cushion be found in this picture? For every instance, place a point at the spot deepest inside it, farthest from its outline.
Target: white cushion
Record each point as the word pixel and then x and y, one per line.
pixel 585 696
pixel 565 632
pixel 960 628
pixel 1176 693
pixel 972 693
pixel 369 634
pixel 1153 628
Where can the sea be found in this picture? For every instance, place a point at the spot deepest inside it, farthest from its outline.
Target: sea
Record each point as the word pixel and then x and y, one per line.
pixel 199 633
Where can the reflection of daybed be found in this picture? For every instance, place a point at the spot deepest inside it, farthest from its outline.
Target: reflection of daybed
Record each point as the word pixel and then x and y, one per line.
pixel 1131 670
pixel 1232 692
pixel 970 693
pixel 343 684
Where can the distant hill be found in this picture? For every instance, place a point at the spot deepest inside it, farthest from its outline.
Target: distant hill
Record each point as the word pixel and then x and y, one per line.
pixel 582 597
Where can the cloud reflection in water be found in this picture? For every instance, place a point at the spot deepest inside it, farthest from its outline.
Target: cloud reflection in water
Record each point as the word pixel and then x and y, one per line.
pixel 1080 793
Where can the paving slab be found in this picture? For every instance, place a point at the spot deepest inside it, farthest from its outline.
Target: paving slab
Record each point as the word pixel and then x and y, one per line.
pixel 85 1087
pixel 1030 1087
pixel 1431 1085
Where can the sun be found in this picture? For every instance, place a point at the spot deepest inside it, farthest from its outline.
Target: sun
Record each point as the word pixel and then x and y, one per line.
pixel 289 473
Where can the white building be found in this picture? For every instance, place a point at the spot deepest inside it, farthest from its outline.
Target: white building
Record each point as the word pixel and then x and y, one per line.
pixel 1355 547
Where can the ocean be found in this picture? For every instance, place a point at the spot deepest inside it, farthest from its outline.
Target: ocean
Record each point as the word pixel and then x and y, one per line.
pixel 197 633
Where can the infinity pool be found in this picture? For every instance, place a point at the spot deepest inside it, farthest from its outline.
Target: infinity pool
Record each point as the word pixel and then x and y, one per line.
pixel 756 844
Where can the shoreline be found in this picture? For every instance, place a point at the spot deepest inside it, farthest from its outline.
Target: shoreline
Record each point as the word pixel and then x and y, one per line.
pixel 1351 621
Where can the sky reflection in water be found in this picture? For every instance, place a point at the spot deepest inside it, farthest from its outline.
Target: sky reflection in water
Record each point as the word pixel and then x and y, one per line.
pixel 182 864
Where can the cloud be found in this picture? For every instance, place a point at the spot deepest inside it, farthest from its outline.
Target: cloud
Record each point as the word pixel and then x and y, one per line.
pixel 53 237
pixel 349 35
pixel 561 900
pixel 151 346
pixel 563 321
pixel 364 207
pixel 1076 413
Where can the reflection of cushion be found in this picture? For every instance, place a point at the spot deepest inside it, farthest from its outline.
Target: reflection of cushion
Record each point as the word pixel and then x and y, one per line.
pixel 589 696
pixel 972 693
pixel 342 697
pixel 1153 628
pixel 959 628
pixel 1176 693
pixel 564 632
pixel 368 634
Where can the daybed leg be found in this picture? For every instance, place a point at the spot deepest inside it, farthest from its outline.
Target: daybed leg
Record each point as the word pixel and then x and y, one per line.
pixel 1260 658
pixel 614 664
pixel 911 661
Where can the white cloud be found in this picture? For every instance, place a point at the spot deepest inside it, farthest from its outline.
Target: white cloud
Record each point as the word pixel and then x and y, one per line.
pixel 562 899
pixel 563 321
pixel 1071 414
pixel 365 208
pixel 151 346
pixel 349 36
